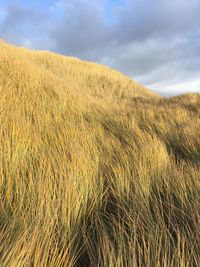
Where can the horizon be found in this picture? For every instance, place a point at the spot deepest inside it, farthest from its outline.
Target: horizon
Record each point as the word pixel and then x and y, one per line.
pixel 145 43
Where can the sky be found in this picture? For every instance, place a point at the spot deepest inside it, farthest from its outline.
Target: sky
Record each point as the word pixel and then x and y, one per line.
pixel 157 42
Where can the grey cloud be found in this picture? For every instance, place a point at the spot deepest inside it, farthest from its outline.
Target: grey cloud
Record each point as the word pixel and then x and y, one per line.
pixel 25 26
pixel 83 30
pixel 141 20
pixel 16 22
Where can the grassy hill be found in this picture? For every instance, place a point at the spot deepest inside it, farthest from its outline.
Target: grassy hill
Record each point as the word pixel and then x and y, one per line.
pixel 95 169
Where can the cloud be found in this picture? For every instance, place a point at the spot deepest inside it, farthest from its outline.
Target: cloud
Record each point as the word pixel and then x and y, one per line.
pixel 157 19
pixel 156 42
pixel 24 25
pixel 83 31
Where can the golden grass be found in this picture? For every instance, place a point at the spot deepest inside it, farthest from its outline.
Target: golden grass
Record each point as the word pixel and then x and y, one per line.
pixel 95 170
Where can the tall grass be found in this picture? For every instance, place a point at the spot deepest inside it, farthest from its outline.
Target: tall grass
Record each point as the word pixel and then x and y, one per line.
pixel 95 170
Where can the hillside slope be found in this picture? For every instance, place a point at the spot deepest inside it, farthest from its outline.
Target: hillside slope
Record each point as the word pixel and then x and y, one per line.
pixel 95 169
pixel 83 77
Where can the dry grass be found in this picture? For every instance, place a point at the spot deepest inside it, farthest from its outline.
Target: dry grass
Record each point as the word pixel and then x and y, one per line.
pixel 95 170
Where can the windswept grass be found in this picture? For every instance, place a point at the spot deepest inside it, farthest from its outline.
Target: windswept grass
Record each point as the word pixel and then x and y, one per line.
pixel 95 170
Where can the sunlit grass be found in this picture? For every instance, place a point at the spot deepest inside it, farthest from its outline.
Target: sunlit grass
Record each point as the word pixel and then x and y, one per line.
pixel 95 170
